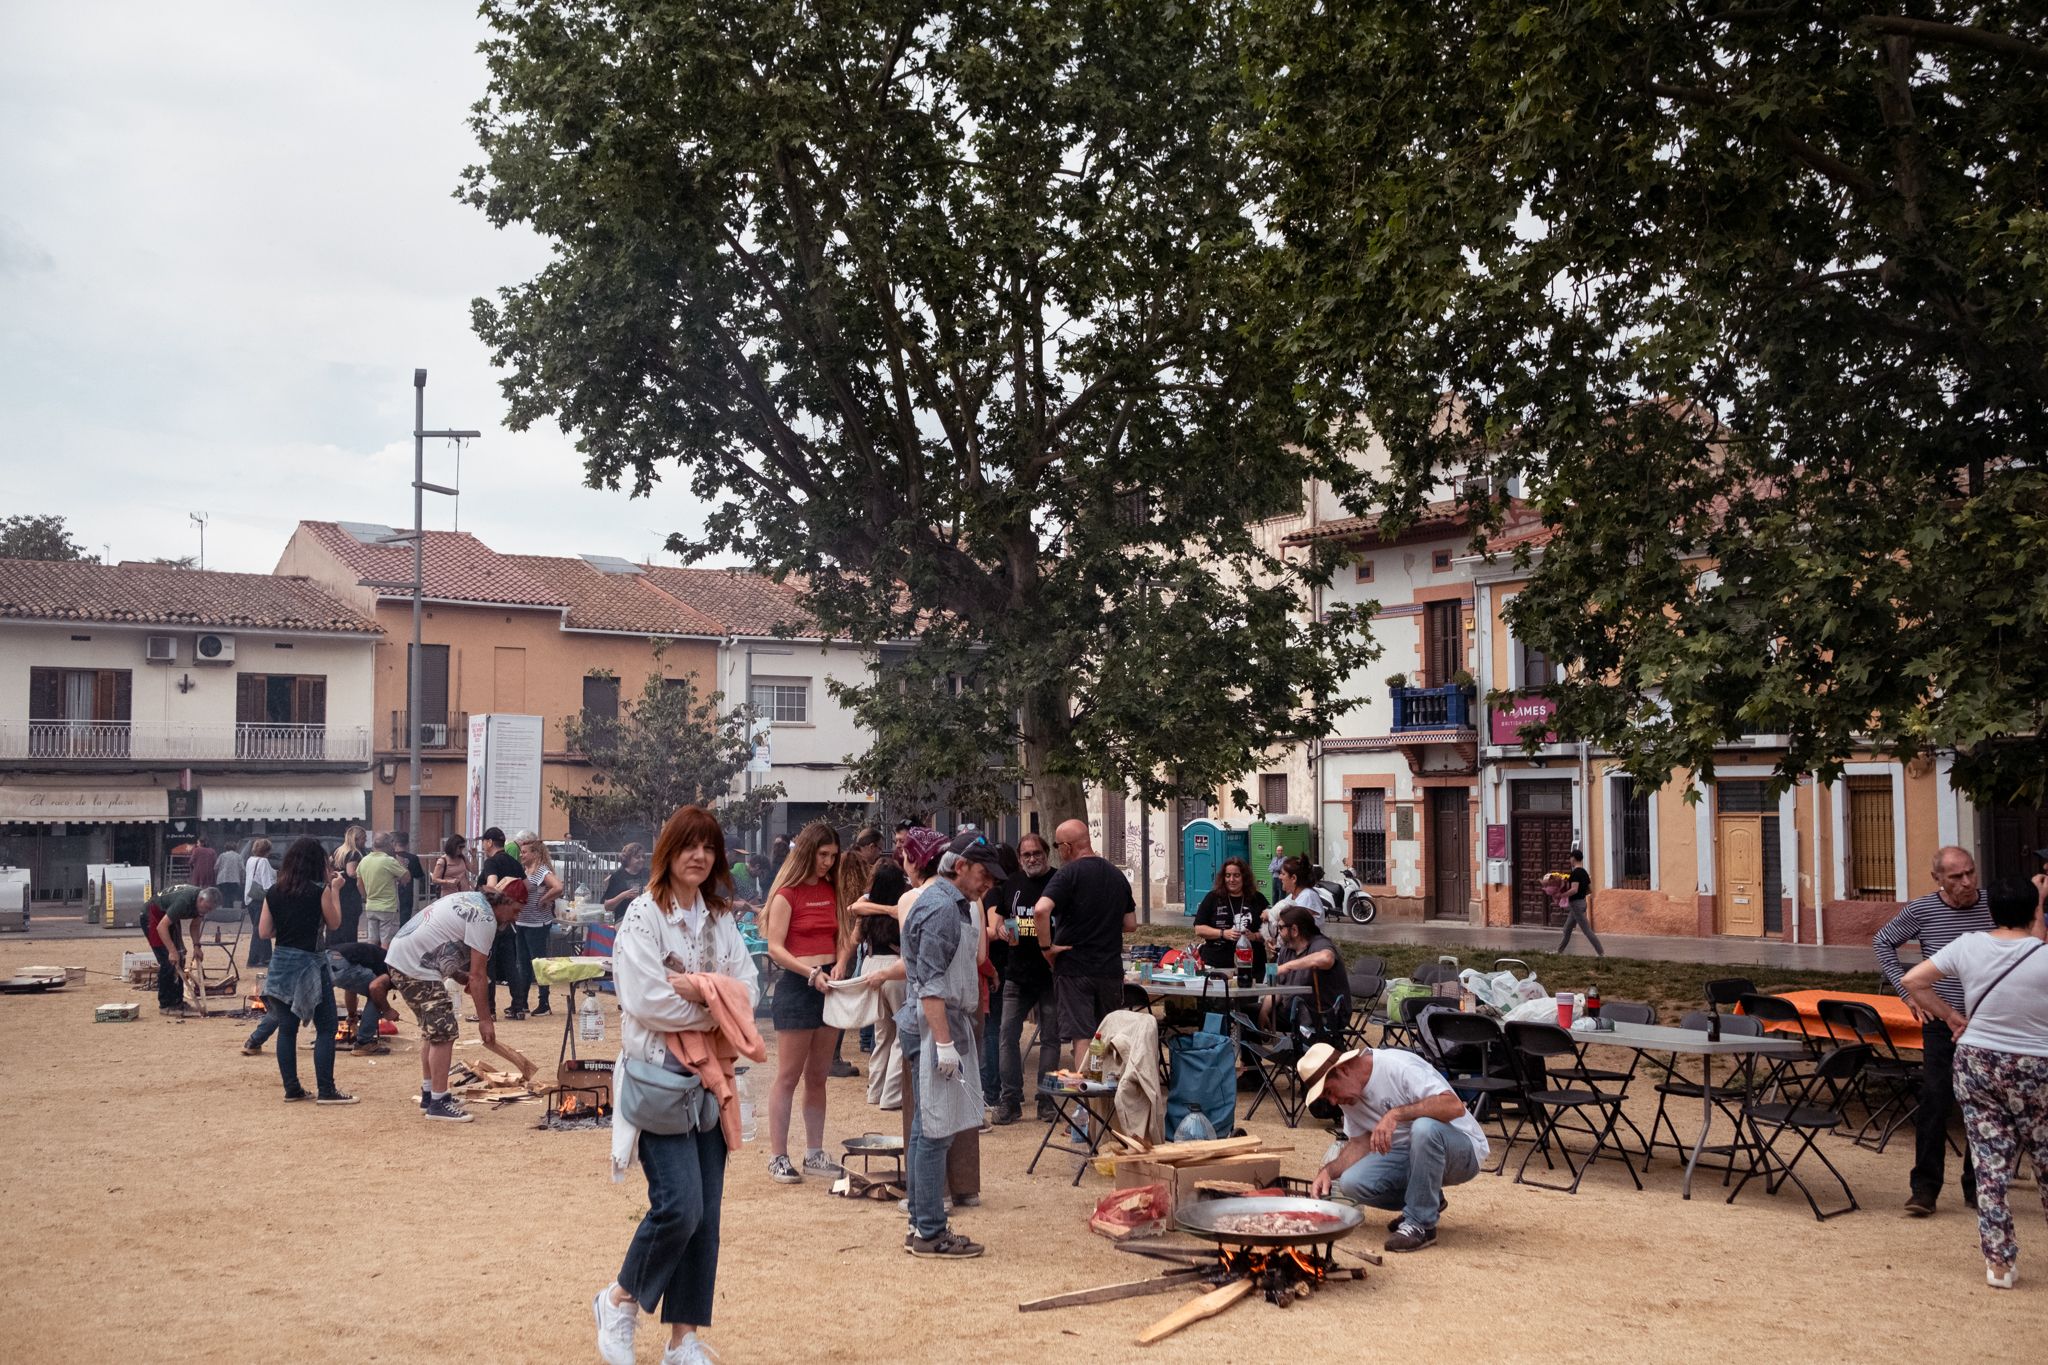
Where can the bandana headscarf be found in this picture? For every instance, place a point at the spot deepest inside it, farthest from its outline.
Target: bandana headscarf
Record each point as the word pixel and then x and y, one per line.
pixel 919 845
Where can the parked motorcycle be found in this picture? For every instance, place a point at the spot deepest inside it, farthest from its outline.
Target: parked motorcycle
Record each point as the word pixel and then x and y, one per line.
pixel 1348 892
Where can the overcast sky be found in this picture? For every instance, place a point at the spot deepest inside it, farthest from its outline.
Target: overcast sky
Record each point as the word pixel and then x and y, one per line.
pixel 226 240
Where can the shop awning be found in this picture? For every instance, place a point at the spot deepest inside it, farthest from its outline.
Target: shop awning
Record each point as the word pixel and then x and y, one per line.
pixel 84 805
pixel 345 800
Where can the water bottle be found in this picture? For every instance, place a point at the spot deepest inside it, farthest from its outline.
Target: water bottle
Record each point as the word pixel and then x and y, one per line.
pixel 590 1021
pixel 746 1096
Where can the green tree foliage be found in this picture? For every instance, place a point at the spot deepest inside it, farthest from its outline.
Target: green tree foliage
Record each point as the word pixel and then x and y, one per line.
pixel 951 310
pixel 666 750
pixel 1764 287
pixel 39 537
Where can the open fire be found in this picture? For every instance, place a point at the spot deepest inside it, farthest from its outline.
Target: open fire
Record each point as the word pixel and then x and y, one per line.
pixel 1282 1274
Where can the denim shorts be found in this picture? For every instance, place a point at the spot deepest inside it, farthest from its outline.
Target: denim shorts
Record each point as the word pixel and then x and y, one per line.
pixel 797 1006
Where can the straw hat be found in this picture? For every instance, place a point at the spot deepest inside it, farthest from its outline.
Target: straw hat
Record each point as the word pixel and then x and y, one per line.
pixel 1315 1066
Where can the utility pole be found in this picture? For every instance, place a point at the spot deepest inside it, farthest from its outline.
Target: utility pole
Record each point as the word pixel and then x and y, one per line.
pixel 417 587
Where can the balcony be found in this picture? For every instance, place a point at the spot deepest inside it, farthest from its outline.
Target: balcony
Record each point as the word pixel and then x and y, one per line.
pixel 441 731
pixel 91 742
pixel 1430 708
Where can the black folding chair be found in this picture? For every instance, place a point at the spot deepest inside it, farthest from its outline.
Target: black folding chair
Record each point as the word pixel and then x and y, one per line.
pixel 1368 964
pixel 1485 1087
pixel 1727 991
pixel 1898 1077
pixel 1729 1097
pixel 1398 1029
pixel 1271 1057
pixel 1772 1009
pixel 1816 1096
pixel 1621 1012
pixel 1366 990
pixel 1530 1047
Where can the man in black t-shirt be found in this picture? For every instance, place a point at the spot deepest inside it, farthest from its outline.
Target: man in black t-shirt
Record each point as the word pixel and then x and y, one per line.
pixel 1578 890
pixel 402 850
pixel 498 867
pixel 1089 904
pixel 1027 981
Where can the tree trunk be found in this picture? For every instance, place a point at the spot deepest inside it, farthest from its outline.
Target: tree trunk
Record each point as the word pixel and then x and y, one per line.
pixel 1054 796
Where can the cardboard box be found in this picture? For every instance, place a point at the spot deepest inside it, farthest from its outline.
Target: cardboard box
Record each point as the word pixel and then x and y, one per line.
pixel 1180 1181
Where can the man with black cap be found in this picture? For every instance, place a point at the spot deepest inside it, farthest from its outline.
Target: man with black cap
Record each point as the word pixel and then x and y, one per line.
pixel 942 942
pixel 1406 1136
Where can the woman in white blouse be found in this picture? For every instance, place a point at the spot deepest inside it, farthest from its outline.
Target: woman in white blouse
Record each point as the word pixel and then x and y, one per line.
pixel 682 924
pixel 257 877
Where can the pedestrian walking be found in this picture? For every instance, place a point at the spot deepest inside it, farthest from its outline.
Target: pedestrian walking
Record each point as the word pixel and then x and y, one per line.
pixel 257 876
pixel 1578 902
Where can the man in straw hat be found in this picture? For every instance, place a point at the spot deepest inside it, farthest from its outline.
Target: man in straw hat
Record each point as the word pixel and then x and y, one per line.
pixel 1407 1136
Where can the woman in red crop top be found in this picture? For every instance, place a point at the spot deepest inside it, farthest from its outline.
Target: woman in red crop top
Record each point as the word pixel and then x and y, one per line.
pixel 808 932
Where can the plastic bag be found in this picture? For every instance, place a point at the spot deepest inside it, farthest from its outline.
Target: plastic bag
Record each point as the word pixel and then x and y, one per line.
pixel 1132 1212
pixel 1542 1010
pixel 1195 1128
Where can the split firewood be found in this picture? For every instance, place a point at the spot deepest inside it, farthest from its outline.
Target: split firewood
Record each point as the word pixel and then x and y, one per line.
pixel 1208 1306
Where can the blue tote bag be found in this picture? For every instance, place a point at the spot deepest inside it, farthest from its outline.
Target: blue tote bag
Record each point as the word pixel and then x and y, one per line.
pixel 1204 1081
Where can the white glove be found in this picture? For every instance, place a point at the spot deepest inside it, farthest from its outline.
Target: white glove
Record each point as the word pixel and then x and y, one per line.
pixel 946 1062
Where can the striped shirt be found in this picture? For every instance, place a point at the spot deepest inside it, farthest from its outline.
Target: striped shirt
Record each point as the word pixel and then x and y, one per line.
pixel 1936 924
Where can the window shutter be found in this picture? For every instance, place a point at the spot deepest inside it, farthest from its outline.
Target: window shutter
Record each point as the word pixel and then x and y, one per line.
pixel 309 705
pixel 46 694
pixel 111 695
pixel 249 699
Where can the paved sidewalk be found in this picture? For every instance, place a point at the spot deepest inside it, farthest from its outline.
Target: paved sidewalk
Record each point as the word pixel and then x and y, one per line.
pixel 1651 947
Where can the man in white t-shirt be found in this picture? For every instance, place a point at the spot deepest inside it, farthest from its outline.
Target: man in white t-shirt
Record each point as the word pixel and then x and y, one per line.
pixel 451 938
pixel 1407 1136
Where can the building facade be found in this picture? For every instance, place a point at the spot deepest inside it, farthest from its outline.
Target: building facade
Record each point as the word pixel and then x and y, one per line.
pixel 141 703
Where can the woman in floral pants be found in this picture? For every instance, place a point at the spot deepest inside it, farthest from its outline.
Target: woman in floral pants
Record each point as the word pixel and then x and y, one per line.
pixel 2001 1066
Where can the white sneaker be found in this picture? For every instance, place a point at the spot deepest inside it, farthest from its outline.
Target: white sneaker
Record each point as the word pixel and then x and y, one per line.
pixel 615 1324
pixel 1998 1281
pixel 692 1350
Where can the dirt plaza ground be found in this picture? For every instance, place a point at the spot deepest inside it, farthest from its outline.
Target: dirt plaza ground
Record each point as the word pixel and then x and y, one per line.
pixel 164 1205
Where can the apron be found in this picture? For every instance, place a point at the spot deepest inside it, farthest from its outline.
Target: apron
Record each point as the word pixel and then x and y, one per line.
pixel 949 1107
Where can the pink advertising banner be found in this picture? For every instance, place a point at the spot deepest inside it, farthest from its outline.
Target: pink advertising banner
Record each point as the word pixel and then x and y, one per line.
pixel 1505 723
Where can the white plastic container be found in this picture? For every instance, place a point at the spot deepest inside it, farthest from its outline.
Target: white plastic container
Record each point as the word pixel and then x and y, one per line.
pixel 746 1094
pixel 590 1020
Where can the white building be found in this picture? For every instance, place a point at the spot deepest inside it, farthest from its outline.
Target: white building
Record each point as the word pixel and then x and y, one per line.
pixel 139 702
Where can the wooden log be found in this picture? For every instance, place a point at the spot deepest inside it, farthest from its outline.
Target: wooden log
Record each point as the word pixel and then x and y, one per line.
pixel 1208 1306
pixel 1189 1253
pixel 516 1057
pixel 1177 1153
pixel 1108 1293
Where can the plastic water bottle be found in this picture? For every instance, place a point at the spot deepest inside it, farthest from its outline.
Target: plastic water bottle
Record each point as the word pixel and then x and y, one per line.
pixel 746 1094
pixel 1195 1128
pixel 590 1020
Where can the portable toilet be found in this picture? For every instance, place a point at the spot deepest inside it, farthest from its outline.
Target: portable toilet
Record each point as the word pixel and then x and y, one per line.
pixel 1286 833
pixel 1204 844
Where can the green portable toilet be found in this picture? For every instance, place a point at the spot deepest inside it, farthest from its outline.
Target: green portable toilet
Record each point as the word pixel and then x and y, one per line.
pixel 1204 845
pixel 1288 833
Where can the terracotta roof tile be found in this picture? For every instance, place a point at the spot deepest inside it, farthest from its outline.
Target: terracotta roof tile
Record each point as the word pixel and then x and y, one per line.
pixel 148 594
pixel 614 601
pixel 1435 518
pixel 458 568
pixel 741 603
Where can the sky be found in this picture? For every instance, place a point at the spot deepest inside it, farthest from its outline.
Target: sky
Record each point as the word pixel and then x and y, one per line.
pixel 227 239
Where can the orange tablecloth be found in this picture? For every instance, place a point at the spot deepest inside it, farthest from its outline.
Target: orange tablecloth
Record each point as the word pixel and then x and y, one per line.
pixel 1898 1020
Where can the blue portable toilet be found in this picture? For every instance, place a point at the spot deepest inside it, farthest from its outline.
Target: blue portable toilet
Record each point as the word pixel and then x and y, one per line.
pixel 1204 845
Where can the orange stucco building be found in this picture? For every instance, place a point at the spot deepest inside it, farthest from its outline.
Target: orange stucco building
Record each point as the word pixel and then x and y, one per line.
pixel 521 634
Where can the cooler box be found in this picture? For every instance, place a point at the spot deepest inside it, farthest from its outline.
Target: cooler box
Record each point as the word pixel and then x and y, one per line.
pixel 13 898
pixel 116 894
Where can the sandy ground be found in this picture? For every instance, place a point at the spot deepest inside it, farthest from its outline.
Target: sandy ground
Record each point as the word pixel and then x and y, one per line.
pixel 164 1204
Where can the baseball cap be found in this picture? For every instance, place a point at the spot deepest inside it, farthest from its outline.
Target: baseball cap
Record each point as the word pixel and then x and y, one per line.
pixel 971 847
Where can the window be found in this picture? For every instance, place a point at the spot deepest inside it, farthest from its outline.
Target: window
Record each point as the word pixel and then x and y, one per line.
pixel 1364 571
pixel 782 703
pixel 1273 793
pixel 79 712
pixel 600 698
pixel 1440 560
pixel 1369 834
pixel 280 716
pixel 1537 672
pixel 1443 645
pixel 1870 839
pixel 1629 827
pixel 1113 826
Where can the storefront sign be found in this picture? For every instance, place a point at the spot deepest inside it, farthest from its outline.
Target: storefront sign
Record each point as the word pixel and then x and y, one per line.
pixel 85 805
pixel 1505 723
pixel 338 802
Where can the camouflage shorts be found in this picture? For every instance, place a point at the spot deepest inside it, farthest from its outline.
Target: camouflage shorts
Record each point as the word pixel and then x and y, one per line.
pixel 429 1002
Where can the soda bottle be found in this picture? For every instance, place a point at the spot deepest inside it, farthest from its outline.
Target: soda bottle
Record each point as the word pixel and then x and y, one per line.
pixel 1095 1051
pixel 1593 1002
pixel 1713 1021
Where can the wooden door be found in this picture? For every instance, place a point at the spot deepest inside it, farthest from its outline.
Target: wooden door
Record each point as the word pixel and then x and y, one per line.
pixel 2013 833
pixel 1443 642
pixel 1539 841
pixel 1450 854
pixel 1739 889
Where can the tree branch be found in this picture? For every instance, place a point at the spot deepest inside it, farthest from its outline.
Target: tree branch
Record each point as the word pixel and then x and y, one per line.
pixel 1957 35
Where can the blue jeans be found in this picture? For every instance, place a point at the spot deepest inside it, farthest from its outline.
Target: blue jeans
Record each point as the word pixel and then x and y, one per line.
pixel 532 943
pixel 280 1020
pixel 992 1045
pixel 1412 1178
pixel 673 1260
pixel 349 977
pixel 927 1173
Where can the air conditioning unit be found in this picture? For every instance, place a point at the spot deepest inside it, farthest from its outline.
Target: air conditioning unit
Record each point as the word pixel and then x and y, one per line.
pixel 160 649
pixel 433 736
pixel 214 649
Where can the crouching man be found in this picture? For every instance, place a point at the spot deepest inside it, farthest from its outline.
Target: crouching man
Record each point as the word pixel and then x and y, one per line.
pixel 429 949
pixel 1407 1136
